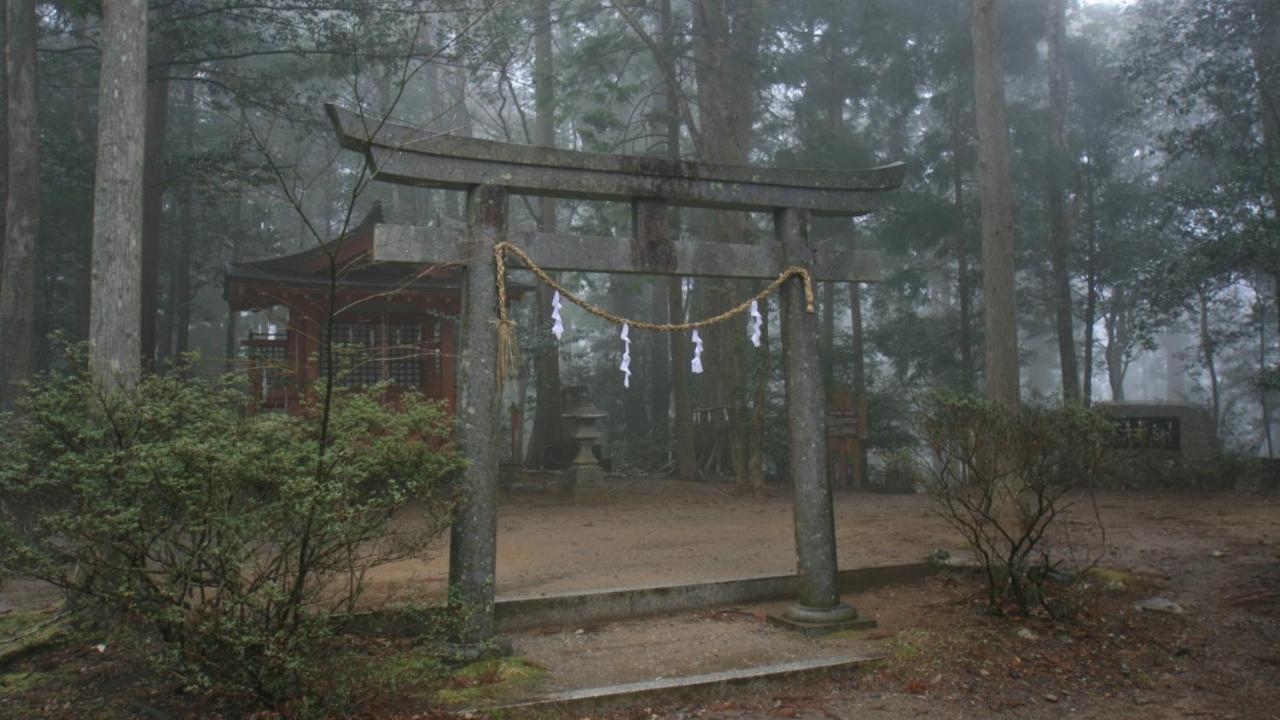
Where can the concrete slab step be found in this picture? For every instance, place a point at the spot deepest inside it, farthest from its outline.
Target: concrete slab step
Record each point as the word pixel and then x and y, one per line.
pixel 587 697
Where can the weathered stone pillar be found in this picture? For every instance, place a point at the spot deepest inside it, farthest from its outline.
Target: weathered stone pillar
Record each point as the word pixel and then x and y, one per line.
pixel 473 537
pixel 819 603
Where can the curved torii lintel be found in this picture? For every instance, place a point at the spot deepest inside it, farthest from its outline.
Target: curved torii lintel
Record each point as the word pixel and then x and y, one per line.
pixel 413 156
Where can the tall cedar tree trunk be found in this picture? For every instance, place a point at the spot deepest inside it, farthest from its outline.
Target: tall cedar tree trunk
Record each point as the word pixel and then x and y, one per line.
pixel 232 330
pixel 4 127
pixel 82 126
pixel 1174 383
pixel 834 116
pixel 726 43
pixel 1117 325
pixel 659 358
pixel 686 461
pixel 116 308
pixel 996 200
pixel 835 126
pixel 1209 352
pixel 181 295
pixel 1262 369
pixel 18 286
pixel 546 418
pixel 459 124
pixel 1091 285
pixel 1268 39
pixel 962 246
pixel 759 404
pixel 1060 224
pixel 154 185
pixel 658 345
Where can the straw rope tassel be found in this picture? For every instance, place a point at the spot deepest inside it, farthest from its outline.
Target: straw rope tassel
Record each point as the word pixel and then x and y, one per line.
pixel 509 353
pixel 508 347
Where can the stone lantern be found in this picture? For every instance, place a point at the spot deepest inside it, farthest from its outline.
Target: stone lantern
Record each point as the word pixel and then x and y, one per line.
pixel 585 426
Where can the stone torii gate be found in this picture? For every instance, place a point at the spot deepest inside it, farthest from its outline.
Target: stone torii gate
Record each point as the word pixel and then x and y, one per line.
pixel 488 171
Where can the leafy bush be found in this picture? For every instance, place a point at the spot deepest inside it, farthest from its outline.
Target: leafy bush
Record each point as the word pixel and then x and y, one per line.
pixel 230 539
pixel 1170 470
pixel 1002 479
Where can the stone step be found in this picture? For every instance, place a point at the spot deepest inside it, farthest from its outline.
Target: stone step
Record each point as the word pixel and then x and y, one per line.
pixel 608 694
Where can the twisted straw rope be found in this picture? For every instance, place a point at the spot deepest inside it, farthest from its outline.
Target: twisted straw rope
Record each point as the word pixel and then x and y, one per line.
pixel 507 349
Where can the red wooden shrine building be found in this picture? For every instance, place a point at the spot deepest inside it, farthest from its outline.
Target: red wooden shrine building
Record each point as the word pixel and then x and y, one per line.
pixel 395 322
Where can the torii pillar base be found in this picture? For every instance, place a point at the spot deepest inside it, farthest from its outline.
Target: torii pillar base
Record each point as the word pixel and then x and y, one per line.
pixel 456 653
pixel 815 622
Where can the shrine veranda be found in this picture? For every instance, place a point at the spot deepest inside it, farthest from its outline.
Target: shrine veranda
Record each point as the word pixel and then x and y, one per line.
pixel 489 172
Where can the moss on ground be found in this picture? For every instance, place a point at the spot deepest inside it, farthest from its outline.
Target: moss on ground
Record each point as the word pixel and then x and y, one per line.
pixel 908 643
pixel 22 633
pixel 492 682
pixel 1110 578
pixel 416 673
pixel 18 682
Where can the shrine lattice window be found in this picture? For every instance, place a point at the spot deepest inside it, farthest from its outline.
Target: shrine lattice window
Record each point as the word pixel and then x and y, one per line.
pixel 371 352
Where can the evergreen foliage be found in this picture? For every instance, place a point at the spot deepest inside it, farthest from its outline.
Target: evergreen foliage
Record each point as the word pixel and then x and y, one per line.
pixel 231 542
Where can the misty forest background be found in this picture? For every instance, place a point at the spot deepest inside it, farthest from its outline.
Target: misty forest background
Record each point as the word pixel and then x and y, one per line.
pixel 1145 146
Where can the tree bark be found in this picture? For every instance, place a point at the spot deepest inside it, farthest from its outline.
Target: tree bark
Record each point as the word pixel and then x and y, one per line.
pixel 726 43
pixel 760 403
pixel 1117 322
pixel 82 126
pixel 1208 352
pixel 154 184
pixel 1265 406
pixel 181 296
pixel 1059 231
pixel 1174 345
pixel 962 249
pixel 686 460
pixel 116 308
pixel 546 417
pixel 996 200
pixel 18 286
pixel 4 127
pixel 1091 289
pixel 459 124
pixel 659 357
pixel 231 351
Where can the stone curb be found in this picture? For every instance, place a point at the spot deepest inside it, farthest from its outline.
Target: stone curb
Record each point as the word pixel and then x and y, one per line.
pixel 531 611
pixel 634 691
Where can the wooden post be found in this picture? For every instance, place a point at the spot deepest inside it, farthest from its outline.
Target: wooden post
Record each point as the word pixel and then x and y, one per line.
pixel 819 603
pixel 473 536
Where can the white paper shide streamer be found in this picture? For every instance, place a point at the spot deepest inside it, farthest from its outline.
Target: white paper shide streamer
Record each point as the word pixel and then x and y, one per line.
pixel 625 367
pixel 756 323
pixel 696 365
pixel 557 325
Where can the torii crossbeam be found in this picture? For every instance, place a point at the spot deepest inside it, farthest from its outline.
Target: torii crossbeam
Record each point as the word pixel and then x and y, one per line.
pixel 488 171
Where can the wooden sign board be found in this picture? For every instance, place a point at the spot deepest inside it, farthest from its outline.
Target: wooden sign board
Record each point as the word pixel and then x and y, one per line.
pixel 843 425
pixel 844 420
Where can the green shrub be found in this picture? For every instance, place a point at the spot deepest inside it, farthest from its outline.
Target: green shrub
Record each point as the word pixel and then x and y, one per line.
pixel 1003 478
pixel 230 540
pixel 1170 470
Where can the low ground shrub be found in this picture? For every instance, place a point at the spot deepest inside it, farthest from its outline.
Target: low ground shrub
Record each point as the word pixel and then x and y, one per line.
pixel 224 542
pixel 1002 479
pixel 1166 470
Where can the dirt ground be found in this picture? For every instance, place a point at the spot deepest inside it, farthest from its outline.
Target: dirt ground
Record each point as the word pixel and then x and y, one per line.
pixel 1217 556
pixel 662 532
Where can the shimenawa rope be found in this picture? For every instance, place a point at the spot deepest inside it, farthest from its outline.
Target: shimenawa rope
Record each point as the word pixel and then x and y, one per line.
pixel 508 352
